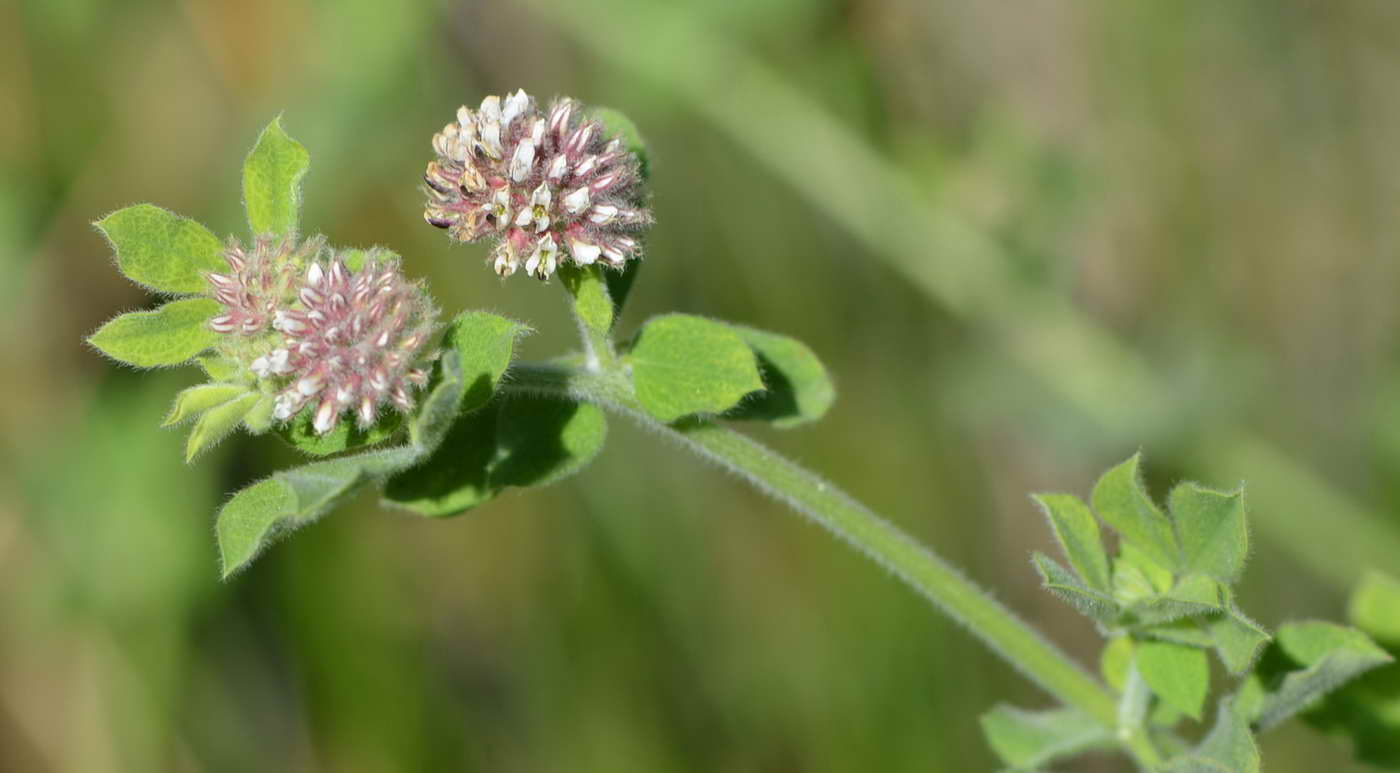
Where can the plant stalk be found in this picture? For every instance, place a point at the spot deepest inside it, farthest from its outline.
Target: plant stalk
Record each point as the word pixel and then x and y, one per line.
pixel 822 502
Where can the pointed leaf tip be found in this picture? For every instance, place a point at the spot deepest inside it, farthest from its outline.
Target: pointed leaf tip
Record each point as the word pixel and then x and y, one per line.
pixel 1122 501
pixel 272 176
pixel 170 335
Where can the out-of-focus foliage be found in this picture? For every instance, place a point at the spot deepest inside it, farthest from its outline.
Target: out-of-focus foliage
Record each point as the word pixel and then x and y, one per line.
pixel 940 198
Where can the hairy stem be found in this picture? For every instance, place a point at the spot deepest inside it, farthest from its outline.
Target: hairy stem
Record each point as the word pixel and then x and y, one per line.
pixel 822 502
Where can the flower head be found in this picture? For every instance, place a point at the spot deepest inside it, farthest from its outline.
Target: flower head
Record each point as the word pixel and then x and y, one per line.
pixel 316 332
pixel 258 281
pixel 548 186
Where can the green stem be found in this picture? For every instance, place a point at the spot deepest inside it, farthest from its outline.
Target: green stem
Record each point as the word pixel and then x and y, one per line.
pixel 1007 635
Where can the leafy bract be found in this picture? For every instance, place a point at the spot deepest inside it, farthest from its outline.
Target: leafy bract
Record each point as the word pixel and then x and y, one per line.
pixel 198 399
pixel 797 388
pixel 161 250
pixel 476 351
pixel 1028 739
pixel 684 365
pixel 216 422
pixel 344 436
pixel 169 335
pixel 272 181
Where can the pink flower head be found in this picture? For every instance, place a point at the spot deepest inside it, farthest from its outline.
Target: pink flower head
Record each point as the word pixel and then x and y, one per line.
pixel 352 341
pixel 547 186
pixel 258 282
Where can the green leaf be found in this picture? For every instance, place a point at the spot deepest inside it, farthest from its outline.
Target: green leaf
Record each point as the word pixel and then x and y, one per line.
pixel 797 388
pixel 1063 583
pixel 1191 631
pixel 1211 527
pixel 1178 674
pixel 1330 655
pixel 477 350
pixel 455 480
pixel 516 441
pixel 683 365
pixel 272 181
pixel 615 124
pixel 541 440
pixel 1029 739
pixel 1078 535
pixel 223 369
pixel 1238 640
pixel 170 335
pixel 1115 660
pixel 258 419
pixel 1375 607
pixel 300 432
pixel 216 422
pixel 162 250
pixel 1228 748
pixel 1122 502
pixel 198 399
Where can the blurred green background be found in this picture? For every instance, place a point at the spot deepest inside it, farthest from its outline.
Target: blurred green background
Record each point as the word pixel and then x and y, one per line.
pixel 1027 238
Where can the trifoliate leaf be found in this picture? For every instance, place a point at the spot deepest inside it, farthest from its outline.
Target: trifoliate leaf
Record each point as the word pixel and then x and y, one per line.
pixel 272 181
pixel 170 335
pixel 1211 527
pixel 1122 501
pixel 1028 739
pixel 684 365
pixel 797 388
pixel 162 250
pixel 1078 534
pixel 198 399
pixel 1063 583
pixel 1323 657
pixel 216 422
pixel 1178 674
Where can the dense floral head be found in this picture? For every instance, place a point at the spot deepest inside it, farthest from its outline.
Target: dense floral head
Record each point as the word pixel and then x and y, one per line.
pixel 548 186
pixel 317 332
